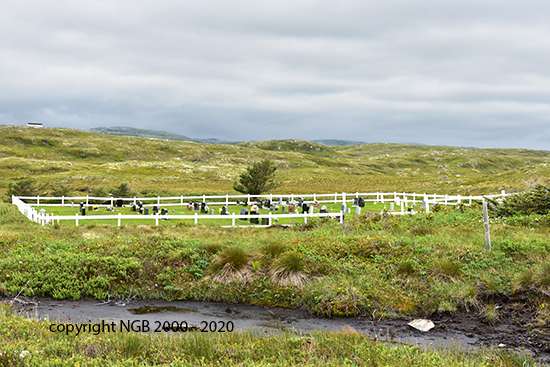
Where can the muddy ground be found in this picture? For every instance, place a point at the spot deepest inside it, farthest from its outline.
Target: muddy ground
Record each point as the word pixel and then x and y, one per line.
pixel 516 328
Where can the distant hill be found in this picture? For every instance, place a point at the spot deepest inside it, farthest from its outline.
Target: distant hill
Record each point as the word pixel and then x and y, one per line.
pixel 155 134
pixel 337 142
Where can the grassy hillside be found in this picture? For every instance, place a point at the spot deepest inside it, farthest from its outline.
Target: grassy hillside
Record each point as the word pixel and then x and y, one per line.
pixel 82 161
pixel 155 134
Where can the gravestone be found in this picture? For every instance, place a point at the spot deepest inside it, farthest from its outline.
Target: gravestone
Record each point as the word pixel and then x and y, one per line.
pixel 267 203
pixel 190 207
pixel 252 219
pixel 90 208
pixel 265 221
pixel 164 211
pixel 243 212
pixel 355 201
pixel 140 210
pixel 305 208
pixel 284 209
pixel 361 202
pixel 197 206
pixel 358 210
pixel 316 205
pixel 323 209
pixel 343 207
pixel 225 210
pixel 133 208
pixel 211 211
pixel 391 207
pixel 280 201
pixel 140 204
pixel 119 203
pixel 82 210
pixel 155 209
pixel 145 211
pixel 292 208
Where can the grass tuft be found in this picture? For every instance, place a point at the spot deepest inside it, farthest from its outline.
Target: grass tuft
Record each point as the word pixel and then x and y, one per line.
pixel 287 269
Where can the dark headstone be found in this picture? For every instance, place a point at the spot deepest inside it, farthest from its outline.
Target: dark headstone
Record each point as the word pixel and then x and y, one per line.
pixel 82 210
pixel 155 209
pixel 197 206
pixel 265 221
pixel 164 211
pixel 323 211
pixel 146 211
pixel 355 201
pixel 243 212
pixel 254 220
pixel 305 208
pixel 361 202
pixel 119 203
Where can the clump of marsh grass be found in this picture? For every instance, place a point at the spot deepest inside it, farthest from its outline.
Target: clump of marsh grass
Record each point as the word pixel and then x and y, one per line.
pixel 490 313
pixel 212 247
pixel 287 269
pixel 230 262
pixel 447 267
pixel 273 249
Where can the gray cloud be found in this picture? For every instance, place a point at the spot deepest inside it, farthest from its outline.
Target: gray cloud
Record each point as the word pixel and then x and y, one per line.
pixel 470 73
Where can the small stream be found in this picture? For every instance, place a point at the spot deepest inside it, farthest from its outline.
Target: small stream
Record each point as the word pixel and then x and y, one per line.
pixel 239 317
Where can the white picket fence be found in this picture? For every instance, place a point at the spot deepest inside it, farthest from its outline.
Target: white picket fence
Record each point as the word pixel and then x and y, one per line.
pixel 402 201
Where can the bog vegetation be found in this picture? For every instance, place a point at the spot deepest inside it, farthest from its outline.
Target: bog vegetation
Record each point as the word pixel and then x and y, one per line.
pixel 375 266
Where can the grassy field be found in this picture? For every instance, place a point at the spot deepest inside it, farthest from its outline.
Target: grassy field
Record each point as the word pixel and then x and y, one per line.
pixel 379 266
pixel 83 161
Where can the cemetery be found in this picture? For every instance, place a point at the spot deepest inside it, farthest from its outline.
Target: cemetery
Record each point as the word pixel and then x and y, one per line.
pixel 230 210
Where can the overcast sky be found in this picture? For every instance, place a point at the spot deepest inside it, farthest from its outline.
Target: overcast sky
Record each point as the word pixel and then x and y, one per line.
pixel 441 72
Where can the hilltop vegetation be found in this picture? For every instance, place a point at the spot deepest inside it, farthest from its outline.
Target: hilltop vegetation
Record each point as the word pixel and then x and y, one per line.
pixel 82 161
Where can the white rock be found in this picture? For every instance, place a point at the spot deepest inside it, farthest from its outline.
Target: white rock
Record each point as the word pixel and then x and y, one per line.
pixel 421 324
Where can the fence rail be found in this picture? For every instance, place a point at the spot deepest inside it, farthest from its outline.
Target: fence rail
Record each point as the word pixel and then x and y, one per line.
pixel 402 200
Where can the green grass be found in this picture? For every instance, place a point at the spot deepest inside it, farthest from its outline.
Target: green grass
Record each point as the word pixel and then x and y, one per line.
pixel 83 161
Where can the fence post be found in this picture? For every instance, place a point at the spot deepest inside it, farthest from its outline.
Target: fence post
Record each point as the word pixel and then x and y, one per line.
pixel 63 200
pixel 227 199
pixel 196 218
pixel 76 216
pixel 119 217
pixel 335 197
pixel 486 226
pixel 232 219
pixel 158 200
pixel 270 219
pixel 157 218
pixel 305 218
pixel 341 216
pixel 112 204
pixel 88 204
pixel 38 200
pixel 134 200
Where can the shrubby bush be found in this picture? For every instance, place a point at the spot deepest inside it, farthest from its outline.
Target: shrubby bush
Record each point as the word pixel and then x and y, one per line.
pixel 536 201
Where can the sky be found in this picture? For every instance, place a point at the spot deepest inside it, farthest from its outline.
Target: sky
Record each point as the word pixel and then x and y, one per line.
pixel 436 72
